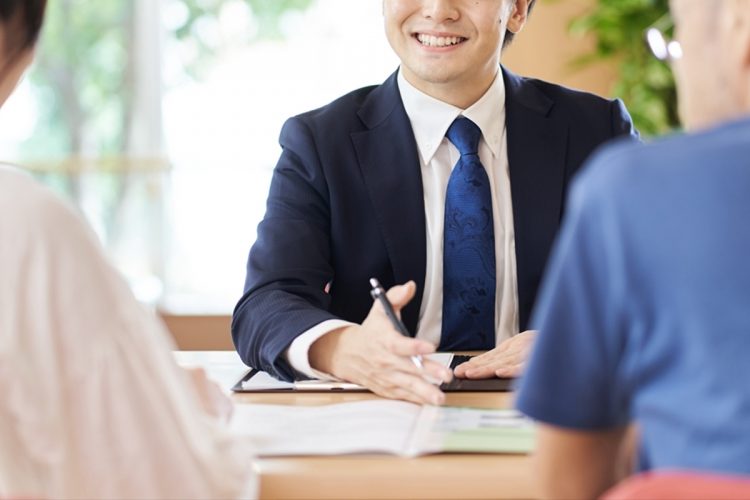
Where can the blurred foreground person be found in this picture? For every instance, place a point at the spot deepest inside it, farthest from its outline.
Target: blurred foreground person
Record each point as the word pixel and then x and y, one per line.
pixel 644 314
pixel 93 404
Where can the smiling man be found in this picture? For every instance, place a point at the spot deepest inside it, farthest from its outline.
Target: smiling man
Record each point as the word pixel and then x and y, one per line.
pixel 447 180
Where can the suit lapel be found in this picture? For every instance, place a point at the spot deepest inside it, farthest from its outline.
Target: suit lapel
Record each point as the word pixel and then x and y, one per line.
pixel 389 162
pixel 537 146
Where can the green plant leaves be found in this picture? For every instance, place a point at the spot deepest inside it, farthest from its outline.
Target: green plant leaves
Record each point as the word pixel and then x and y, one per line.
pixel 644 83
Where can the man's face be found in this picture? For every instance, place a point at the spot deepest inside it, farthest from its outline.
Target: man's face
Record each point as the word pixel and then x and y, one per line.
pixel 710 71
pixel 449 48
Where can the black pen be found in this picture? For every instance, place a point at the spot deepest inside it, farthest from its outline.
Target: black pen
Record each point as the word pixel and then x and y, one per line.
pixel 378 293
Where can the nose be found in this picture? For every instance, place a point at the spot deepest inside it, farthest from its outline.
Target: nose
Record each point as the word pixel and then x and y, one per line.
pixel 440 10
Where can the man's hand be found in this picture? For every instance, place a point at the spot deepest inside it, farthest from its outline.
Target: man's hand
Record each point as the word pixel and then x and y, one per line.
pixel 376 356
pixel 506 360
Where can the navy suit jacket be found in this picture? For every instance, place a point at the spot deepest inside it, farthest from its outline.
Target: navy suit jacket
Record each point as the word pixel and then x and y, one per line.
pixel 346 204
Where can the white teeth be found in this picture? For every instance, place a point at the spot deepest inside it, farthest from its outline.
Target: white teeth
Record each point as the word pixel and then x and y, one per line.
pixel 438 41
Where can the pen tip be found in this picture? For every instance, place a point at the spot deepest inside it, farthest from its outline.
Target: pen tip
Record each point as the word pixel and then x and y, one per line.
pixel 374 283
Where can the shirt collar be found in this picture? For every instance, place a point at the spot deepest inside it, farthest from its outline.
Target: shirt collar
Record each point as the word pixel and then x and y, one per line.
pixel 430 117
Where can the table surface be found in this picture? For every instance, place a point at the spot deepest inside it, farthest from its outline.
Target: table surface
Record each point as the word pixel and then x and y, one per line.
pixel 374 476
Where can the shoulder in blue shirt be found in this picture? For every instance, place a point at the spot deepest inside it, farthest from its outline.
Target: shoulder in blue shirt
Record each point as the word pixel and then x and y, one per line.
pixel 644 313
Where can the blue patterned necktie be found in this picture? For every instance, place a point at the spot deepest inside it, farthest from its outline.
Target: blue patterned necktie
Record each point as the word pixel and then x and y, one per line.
pixel 468 248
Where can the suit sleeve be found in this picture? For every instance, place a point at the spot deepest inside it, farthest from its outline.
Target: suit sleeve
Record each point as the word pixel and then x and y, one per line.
pixel 622 123
pixel 289 265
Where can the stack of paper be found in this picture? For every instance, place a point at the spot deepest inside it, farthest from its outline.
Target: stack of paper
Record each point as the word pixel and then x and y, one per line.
pixel 381 426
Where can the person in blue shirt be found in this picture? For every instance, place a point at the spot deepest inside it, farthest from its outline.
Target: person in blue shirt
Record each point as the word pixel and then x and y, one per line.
pixel 644 314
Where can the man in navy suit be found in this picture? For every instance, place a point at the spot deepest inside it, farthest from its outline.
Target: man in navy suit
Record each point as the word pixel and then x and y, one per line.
pixel 360 191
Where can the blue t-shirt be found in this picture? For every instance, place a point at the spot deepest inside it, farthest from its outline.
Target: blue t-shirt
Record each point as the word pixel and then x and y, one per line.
pixel 645 311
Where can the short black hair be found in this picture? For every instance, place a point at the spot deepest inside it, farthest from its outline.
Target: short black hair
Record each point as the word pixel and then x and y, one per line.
pixel 509 35
pixel 26 17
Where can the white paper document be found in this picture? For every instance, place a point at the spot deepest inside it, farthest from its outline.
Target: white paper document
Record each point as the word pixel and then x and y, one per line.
pixel 381 426
pixel 262 381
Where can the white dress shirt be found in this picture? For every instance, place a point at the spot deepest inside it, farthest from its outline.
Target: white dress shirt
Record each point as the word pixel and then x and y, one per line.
pixel 93 404
pixel 430 119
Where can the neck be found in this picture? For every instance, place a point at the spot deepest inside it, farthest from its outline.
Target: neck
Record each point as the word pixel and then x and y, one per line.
pixel 461 94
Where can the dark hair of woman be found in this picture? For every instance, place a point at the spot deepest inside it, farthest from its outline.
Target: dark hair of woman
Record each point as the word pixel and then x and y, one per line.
pixel 24 17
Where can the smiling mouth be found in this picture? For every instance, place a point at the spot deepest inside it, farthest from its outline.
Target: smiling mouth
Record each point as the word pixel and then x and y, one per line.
pixel 438 41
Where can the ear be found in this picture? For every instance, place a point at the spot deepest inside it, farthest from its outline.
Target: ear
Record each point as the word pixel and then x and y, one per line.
pixel 743 31
pixel 743 47
pixel 518 17
pixel 736 27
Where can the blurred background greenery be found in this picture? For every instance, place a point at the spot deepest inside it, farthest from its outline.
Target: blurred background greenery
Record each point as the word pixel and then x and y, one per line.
pixel 86 66
pixel 645 84
pixel 97 86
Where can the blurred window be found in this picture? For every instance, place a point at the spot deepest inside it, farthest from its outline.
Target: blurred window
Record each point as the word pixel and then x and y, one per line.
pixel 160 120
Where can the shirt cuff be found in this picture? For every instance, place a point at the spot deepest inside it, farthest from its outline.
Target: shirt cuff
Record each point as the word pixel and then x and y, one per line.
pixel 297 354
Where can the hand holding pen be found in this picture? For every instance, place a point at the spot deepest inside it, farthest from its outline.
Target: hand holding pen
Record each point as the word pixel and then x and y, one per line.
pixel 378 294
pixel 377 355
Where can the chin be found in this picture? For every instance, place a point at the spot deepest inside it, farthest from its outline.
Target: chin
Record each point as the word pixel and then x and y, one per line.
pixel 437 76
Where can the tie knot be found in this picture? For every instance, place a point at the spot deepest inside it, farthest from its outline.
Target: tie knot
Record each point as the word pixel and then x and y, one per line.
pixel 465 135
